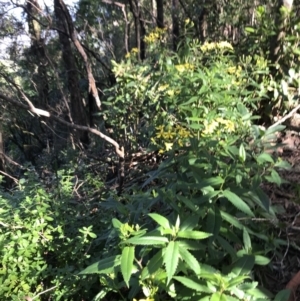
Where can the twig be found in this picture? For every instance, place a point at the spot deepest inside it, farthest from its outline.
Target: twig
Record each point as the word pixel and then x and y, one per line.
pixel 283 119
pixel 6 174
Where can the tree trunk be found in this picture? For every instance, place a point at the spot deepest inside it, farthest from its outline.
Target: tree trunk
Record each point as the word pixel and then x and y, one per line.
pixel 175 24
pixel 140 30
pixel 38 52
pixel 281 23
pixel 160 13
pixel 77 108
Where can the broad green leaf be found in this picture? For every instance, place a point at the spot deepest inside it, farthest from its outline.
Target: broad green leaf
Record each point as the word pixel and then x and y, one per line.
pixel 193 234
pixel 274 129
pixel 243 265
pixel 283 295
pixel 171 258
pixel 153 265
pixel 192 284
pixel 161 220
pixel 218 297
pixel 249 29
pixel 147 240
pixel 190 260
pixel 103 266
pixel 274 178
pixel 238 202
pixel 261 260
pixel 127 263
pixel 264 157
pixel 116 223
pixel 246 240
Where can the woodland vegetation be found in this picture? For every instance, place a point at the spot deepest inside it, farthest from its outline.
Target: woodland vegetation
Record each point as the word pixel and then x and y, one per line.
pixel 135 139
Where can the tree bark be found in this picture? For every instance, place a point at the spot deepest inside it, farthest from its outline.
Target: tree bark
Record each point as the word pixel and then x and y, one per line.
pixel 281 23
pixel 140 30
pixel 175 24
pixel 38 51
pixel 77 108
pixel 160 13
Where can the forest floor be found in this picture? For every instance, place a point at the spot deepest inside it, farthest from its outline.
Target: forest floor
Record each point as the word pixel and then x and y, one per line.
pixel 286 198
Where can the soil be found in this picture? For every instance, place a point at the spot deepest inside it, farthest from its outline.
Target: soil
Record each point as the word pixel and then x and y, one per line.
pixel 286 198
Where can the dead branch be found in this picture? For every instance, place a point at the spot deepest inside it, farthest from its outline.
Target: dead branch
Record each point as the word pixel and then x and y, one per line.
pixel 120 151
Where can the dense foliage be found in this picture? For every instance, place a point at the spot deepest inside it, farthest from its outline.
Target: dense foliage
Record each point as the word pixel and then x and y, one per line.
pixel 168 204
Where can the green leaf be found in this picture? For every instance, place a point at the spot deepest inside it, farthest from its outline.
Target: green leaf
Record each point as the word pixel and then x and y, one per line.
pixel 242 153
pixel 218 297
pixel 283 295
pixel 190 260
pixel 263 158
pixel 171 258
pixel 192 284
pixel 161 220
pixel 193 234
pixel 127 263
pixel 243 265
pixel 147 240
pixel 213 222
pixel 236 281
pixel 261 260
pixel 190 222
pixel 103 266
pixel 249 29
pixel 116 223
pixel 246 240
pixel 274 178
pixel 154 264
pixel 227 247
pixel 238 202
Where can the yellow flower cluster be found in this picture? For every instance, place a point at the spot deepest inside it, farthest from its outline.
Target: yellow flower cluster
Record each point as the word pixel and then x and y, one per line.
pixel 220 124
pixel 155 35
pixel 235 70
pixel 170 136
pixel 183 67
pixel 224 45
pixel 132 52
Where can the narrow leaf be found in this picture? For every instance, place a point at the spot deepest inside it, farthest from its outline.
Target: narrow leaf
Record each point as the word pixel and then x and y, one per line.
pixel 243 265
pixel 153 265
pixel 213 222
pixel 238 202
pixel 147 240
pixel 171 258
pixel 242 153
pixel 192 284
pixel 193 234
pixel 190 260
pixel 161 220
pixel 127 263
pixel 246 240
pixel 103 266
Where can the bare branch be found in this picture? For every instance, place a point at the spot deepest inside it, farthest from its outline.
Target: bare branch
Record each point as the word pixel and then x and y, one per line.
pixel 31 108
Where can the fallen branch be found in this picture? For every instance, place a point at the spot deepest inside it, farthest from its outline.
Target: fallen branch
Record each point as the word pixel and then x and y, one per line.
pixel 40 112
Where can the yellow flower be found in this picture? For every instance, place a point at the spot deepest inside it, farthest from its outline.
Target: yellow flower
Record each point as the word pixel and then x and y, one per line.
pixel 170 92
pixel 127 56
pixel 210 128
pixel 180 143
pixel 163 87
pixel 180 68
pixel 134 50
pixel 168 146
pixel 168 135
